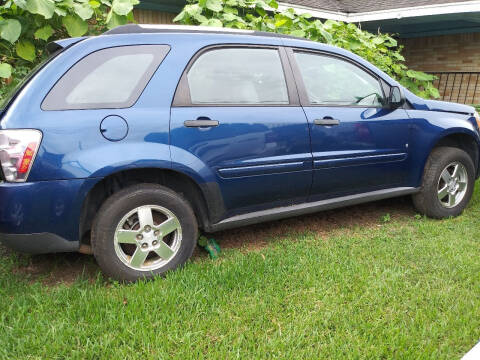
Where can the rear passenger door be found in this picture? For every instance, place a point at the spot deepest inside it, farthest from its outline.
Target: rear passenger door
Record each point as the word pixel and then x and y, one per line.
pixel 236 110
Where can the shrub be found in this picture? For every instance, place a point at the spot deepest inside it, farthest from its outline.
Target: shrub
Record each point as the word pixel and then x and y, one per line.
pixel 380 49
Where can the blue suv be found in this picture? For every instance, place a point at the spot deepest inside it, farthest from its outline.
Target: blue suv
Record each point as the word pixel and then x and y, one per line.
pixel 127 143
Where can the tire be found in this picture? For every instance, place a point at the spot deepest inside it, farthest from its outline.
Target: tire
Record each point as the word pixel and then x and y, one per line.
pixel 434 198
pixel 142 231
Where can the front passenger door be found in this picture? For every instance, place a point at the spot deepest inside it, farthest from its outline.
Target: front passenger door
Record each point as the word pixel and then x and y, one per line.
pixel 358 144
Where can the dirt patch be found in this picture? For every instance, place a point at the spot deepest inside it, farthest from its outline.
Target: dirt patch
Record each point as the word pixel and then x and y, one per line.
pixel 322 223
pixel 54 269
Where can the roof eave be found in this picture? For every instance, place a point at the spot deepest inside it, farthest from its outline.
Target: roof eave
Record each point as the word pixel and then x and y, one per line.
pixel 414 11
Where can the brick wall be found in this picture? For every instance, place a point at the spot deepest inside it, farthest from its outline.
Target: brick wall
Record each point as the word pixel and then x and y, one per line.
pixel 460 52
pixel 153 17
pixel 456 56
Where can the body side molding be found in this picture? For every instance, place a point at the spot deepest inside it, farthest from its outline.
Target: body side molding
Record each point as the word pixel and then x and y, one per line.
pixel 308 208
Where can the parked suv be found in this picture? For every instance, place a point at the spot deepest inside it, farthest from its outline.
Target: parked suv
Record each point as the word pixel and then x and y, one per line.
pixel 131 141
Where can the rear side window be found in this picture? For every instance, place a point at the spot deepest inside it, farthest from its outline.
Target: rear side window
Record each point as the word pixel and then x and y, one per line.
pixel 238 76
pixel 108 78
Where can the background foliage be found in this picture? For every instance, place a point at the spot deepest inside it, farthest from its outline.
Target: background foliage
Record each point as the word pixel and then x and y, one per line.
pixel 381 50
pixel 27 25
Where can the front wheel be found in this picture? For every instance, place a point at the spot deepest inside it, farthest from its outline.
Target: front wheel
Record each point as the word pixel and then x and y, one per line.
pixel 142 231
pixel 448 182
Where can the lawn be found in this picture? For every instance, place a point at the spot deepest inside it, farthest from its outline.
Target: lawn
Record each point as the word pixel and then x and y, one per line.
pixel 372 281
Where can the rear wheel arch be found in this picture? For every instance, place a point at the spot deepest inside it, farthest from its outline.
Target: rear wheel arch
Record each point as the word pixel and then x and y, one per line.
pixel 194 193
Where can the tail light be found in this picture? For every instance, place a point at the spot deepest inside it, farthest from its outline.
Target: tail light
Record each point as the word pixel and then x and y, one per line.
pixel 18 149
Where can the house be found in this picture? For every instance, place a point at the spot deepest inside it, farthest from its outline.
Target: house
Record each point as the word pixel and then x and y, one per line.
pixel 440 36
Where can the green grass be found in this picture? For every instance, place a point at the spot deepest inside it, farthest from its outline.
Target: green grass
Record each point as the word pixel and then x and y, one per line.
pixel 403 288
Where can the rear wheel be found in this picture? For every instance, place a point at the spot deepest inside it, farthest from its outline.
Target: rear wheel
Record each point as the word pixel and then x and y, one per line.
pixel 142 231
pixel 448 182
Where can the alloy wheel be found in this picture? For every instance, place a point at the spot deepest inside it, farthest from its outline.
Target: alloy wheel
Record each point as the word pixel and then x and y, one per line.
pixel 452 184
pixel 147 238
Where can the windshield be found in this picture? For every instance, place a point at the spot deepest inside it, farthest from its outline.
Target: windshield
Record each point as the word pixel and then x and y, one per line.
pixel 14 89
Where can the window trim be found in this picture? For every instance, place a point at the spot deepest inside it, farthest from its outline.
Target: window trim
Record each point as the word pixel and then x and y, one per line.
pixel 182 97
pixel 302 90
pixel 160 53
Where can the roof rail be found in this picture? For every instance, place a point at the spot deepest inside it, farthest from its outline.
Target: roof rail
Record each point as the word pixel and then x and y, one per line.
pixel 158 29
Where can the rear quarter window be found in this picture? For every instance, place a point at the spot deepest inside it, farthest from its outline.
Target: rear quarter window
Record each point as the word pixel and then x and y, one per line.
pixel 108 78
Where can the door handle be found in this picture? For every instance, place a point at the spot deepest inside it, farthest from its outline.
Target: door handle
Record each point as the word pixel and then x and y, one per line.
pixel 201 123
pixel 326 121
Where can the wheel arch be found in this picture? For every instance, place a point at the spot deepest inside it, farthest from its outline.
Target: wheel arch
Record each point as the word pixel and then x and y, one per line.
pixel 465 140
pixel 204 198
pixel 461 138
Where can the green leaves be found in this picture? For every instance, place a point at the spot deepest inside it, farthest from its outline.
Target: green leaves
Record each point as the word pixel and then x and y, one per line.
pixel 5 70
pixel 26 50
pixel 114 20
pixel 327 36
pixel 44 33
pixel 420 75
pixel 10 30
pixel 214 5
pixel 46 8
pixel 378 40
pixel 228 17
pixel 281 22
pixel 298 33
pixel 213 22
pixel 180 17
pixel 84 10
pixel 22 4
pixel 94 4
pixel 75 25
pixel 123 7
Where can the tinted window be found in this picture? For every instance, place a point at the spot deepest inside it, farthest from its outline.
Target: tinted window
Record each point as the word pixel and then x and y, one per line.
pixel 329 81
pixel 109 78
pixel 238 76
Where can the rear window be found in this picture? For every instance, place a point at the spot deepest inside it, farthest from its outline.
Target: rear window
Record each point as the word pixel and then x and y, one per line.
pixel 108 78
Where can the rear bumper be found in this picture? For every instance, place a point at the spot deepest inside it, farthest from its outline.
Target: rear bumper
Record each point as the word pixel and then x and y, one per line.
pixel 42 217
pixel 41 243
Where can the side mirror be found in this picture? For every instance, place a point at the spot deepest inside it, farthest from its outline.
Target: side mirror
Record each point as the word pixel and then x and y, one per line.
pixel 395 99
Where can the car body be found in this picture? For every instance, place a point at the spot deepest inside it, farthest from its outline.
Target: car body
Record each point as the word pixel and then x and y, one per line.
pixel 249 162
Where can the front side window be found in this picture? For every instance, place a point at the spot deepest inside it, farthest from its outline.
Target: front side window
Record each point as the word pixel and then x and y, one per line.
pixel 238 76
pixel 332 81
pixel 109 78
